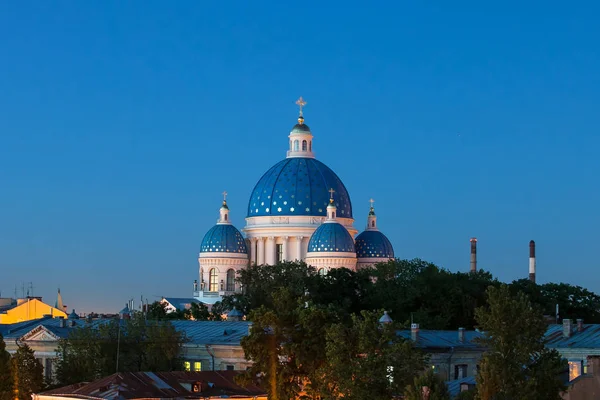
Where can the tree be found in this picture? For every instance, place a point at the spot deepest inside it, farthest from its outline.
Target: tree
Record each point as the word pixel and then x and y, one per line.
pixel 93 351
pixel 6 388
pixel 287 346
pixel 366 359
pixel 517 365
pixel 427 386
pixel 28 373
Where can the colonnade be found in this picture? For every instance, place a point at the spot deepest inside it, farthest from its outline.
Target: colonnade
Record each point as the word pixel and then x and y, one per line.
pixel 272 249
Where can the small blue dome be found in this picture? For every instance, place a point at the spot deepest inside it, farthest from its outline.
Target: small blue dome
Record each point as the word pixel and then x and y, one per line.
pixel 373 244
pixel 300 128
pixel 223 238
pixel 333 237
pixel 298 186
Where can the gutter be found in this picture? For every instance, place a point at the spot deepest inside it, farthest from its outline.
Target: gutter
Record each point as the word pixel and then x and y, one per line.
pixel 212 355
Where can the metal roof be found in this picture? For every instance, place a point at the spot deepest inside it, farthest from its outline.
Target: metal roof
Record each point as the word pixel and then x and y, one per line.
pixel 198 332
pixel 589 337
pixel 161 385
pixel 454 386
pixel 428 339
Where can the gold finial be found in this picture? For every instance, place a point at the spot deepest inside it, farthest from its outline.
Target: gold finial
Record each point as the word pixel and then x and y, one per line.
pixel 301 103
pixel 331 192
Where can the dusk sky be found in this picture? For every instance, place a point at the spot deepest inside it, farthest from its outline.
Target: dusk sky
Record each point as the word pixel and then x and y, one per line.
pixel 122 122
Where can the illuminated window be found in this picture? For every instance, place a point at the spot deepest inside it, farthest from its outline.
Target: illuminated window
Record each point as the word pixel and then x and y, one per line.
pixel 575 368
pixel 197 366
pixel 213 280
pixel 186 365
pixel 279 252
pixel 230 280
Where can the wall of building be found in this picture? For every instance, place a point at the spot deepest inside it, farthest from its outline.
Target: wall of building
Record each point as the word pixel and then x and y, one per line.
pixel 28 310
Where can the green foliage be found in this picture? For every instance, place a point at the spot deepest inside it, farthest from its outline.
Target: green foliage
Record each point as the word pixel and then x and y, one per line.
pixel 428 384
pixel 6 388
pixel 573 301
pixel 411 289
pixel 27 372
pixel 517 364
pixel 286 344
pixel 90 352
pixel 367 360
pixel 157 311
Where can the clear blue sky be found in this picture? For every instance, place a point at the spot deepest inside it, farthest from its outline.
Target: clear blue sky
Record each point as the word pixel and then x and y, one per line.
pixel 122 122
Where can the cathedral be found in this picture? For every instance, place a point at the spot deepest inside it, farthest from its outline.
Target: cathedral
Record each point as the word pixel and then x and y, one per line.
pixel 298 210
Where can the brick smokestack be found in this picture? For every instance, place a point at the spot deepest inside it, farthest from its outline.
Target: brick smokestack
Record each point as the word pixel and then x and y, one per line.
pixel 532 261
pixel 473 254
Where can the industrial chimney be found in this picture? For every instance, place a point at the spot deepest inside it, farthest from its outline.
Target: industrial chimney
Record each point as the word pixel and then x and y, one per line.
pixel 532 261
pixel 473 255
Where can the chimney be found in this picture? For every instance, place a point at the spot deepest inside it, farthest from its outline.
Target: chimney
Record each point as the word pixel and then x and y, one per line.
pixel 532 261
pixel 567 327
pixel 579 325
pixel 414 332
pixel 473 254
pixel 461 335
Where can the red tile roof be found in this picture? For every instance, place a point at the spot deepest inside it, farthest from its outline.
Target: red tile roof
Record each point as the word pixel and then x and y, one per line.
pixel 163 385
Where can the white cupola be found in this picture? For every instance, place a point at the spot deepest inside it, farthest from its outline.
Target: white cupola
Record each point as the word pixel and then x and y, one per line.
pixel 300 137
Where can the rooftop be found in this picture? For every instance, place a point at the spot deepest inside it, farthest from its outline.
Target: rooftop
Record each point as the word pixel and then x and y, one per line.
pixel 160 385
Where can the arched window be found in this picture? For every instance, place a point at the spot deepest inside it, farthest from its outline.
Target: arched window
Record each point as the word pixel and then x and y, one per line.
pixel 373 224
pixel 296 145
pixel 230 280
pixel 225 217
pixel 310 146
pixel 213 280
pixel 304 144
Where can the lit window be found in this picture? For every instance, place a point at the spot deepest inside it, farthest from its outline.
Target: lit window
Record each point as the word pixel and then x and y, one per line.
pixel 213 281
pixel 575 368
pixel 187 365
pixel 197 366
pixel 279 252
pixel 230 280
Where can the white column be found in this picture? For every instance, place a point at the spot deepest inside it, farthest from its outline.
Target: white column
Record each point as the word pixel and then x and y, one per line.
pixel 270 251
pixel 252 251
pixel 286 256
pixel 261 251
pixel 299 246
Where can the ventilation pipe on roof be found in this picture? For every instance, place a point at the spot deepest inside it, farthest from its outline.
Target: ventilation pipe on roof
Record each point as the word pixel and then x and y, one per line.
pixel 579 325
pixel 414 332
pixel 567 328
pixel 461 335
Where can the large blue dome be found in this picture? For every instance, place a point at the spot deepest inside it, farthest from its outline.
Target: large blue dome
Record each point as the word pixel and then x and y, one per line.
pixel 298 186
pixel 373 244
pixel 223 238
pixel 332 237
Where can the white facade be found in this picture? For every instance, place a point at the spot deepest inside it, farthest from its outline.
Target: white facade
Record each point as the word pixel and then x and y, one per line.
pixel 271 238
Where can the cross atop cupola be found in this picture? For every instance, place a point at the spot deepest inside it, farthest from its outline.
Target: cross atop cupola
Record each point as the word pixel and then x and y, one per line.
pixel 300 137
pixel 331 208
pixel 224 211
pixel 372 218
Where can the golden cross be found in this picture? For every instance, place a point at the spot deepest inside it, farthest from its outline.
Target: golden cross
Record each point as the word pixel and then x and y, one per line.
pixel 301 103
pixel 371 201
pixel 224 195
pixel 331 191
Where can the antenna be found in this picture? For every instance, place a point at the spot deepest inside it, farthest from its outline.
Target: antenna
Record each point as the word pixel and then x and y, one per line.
pixel 31 288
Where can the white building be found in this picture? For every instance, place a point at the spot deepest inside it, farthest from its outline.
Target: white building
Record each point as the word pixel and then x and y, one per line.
pixel 298 210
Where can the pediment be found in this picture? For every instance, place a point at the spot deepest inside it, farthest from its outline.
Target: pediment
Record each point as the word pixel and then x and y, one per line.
pixel 39 334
